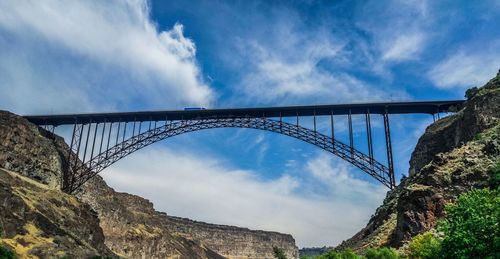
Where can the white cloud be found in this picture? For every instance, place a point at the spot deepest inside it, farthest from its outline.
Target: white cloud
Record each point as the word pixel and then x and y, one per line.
pixel 404 47
pixel 297 78
pixel 201 188
pixel 466 69
pixel 292 62
pixel 74 55
pixel 400 29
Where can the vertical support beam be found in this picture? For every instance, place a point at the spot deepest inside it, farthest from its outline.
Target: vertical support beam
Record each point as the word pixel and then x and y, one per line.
pixel 433 117
pixel 66 173
pixel 109 138
pixel 86 142
pixel 93 144
pixel 281 123
pixel 351 139
pixel 73 168
pixel 369 135
pixel 133 129
pixel 297 123
pixel 79 144
pixel 333 130
pixel 118 131
pixel 314 121
pixel 124 132
pixel 315 131
pixel 102 135
pixel 140 125
pixel 388 144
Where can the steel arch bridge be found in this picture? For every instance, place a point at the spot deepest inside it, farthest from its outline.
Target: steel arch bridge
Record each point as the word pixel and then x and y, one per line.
pixel 99 140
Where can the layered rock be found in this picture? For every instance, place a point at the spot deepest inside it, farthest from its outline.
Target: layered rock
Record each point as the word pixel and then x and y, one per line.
pixel 455 154
pixel 234 242
pixel 37 222
pixel 30 150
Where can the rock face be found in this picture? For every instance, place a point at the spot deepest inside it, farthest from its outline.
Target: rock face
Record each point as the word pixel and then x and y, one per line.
pixel 234 242
pixel 455 154
pixel 30 150
pixel 131 226
pixel 41 223
pixel 134 229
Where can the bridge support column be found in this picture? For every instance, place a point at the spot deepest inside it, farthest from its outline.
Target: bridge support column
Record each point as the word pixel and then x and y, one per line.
pixel 72 162
pixel 351 139
pixel 388 144
pixel 369 135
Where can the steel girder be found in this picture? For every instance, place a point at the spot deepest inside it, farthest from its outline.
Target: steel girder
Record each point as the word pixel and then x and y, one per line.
pixel 79 172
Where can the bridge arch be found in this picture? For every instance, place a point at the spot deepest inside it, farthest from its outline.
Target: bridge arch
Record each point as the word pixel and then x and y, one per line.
pixel 85 171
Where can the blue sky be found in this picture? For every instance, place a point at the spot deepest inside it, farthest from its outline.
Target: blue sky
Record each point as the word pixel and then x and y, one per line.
pixel 127 55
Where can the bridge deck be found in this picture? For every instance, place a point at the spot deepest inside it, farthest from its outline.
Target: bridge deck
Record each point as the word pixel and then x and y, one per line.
pixel 425 107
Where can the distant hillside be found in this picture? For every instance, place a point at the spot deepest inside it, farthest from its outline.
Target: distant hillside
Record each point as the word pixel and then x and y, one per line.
pixel 454 155
pixel 101 221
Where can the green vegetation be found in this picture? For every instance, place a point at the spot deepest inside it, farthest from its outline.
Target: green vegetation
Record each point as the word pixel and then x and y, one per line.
pixel 472 226
pixel 278 253
pixel 346 254
pixel 424 246
pixel 382 253
pixel 372 253
pixel 495 176
pixel 6 253
pixel 471 229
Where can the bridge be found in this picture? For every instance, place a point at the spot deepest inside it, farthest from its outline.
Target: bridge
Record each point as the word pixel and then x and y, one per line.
pixel 100 139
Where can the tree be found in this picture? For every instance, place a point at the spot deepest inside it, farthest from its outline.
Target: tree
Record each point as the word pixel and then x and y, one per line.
pixel 424 246
pixel 381 253
pixel 345 254
pixel 6 253
pixel 472 226
pixel 278 253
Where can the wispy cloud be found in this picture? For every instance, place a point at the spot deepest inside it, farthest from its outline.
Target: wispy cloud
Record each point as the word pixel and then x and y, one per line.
pixel 404 47
pixel 403 33
pixel 93 52
pixel 208 190
pixel 466 68
pixel 291 71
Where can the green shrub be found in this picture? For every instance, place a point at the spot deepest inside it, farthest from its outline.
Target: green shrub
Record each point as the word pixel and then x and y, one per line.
pixel 278 253
pixel 381 253
pixel 424 246
pixel 345 254
pixel 6 253
pixel 472 226
pixel 495 176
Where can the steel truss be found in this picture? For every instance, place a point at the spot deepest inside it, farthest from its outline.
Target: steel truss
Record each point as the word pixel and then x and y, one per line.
pixel 78 172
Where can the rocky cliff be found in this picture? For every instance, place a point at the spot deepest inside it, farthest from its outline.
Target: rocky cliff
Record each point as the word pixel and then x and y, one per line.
pixel 130 225
pixel 455 154
pixel 37 222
